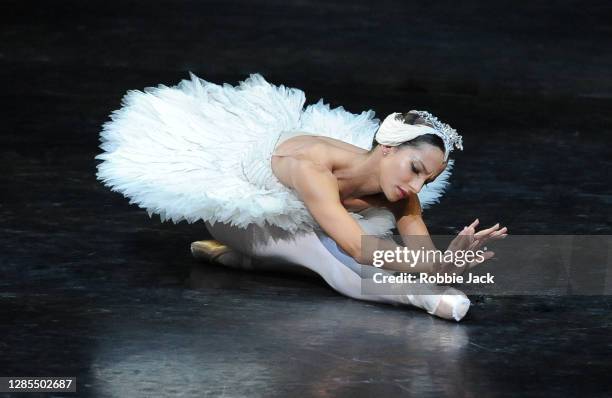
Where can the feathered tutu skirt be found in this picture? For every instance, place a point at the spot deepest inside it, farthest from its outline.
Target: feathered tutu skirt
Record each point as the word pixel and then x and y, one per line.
pixel 201 151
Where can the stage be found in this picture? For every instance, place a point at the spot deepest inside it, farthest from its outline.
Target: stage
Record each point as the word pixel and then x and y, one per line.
pixel 94 288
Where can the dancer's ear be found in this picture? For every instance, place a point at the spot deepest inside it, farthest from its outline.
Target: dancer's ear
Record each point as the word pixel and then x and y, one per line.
pixel 386 149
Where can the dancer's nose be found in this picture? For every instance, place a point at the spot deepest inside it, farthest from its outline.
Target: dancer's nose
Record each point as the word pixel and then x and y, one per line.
pixel 416 186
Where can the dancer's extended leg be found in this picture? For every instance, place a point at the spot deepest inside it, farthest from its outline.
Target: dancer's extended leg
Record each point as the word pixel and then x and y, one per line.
pixel 316 251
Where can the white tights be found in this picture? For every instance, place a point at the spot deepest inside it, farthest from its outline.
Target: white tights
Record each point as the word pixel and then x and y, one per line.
pixel 275 249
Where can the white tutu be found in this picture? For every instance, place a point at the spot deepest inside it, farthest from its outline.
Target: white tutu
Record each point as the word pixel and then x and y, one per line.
pixel 201 151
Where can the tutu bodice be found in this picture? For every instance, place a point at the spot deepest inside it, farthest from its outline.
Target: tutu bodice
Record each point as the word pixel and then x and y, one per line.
pixel 202 151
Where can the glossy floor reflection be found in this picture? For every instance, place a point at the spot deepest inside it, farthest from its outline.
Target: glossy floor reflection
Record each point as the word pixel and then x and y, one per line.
pixel 93 288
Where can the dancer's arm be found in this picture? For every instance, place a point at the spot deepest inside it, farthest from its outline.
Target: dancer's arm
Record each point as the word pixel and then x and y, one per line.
pixel 410 224
pixel 414 233
pixel 318 188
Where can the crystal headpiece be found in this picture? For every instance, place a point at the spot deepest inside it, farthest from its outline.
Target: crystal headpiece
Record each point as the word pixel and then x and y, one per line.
pixel 394 131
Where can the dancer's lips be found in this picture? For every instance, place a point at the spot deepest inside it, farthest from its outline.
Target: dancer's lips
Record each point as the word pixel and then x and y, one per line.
pixel 403 193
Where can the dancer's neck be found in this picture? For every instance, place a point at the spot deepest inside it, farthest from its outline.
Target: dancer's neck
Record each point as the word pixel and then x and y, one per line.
pixel 360 176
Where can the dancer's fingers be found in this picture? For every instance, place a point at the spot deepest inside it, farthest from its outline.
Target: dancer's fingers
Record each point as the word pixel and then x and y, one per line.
pixel 484 240
pixel 468 240
pixel 475 245
pixel 465 239
pixel 484 232
pixel 478 244
pixel 487 256
pixel 499 234
pixel 462 239
pixel 471 229
pixel 483 236
pixel 494 235
pixel 488 230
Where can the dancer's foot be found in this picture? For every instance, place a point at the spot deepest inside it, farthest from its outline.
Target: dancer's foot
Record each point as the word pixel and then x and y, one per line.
pixel 453 304
pixel 214 251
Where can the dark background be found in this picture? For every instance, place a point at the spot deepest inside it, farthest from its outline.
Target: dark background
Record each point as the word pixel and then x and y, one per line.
pixel 93 288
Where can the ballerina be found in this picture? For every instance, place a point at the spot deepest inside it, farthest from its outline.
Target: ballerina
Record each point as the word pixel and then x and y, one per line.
pixel 286 186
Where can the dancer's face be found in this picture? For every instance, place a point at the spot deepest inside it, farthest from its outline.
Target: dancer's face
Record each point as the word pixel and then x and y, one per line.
pixel 409 168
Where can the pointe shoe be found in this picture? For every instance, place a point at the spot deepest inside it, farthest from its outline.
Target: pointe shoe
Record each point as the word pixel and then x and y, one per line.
pixel 214 251
pixel 208 250
pixel 453 304
pixel 442 301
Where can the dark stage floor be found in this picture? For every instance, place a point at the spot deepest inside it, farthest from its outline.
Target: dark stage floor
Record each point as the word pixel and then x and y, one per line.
pixel 95 289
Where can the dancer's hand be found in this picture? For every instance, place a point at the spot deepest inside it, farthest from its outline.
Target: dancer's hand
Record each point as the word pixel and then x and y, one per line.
pixel 469 239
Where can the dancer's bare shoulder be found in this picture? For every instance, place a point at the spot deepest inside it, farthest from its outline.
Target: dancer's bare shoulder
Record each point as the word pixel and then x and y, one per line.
pixel 315 158
pixel 315 154
pixel 301 151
